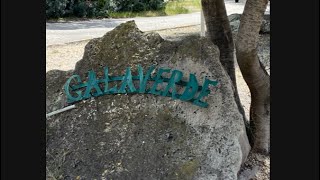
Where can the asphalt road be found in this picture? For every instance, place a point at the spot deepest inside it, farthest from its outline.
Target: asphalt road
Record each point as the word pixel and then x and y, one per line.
pixel 66 32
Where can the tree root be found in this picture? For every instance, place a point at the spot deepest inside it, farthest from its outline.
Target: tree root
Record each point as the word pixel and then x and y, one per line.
pixel 256 167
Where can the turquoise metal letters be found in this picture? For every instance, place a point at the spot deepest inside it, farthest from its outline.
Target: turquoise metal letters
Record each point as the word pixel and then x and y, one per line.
pixel 92 88
pixel 66 88
pixel 204 92
pixel 193 84
pixel 92 84
pixel 144 79
pixel 159 79
pixel 127 81
pixel 175 77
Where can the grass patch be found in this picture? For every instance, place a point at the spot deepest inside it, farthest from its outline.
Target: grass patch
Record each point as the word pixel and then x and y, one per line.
pixel 68 19
pixel 137 14
pixel 182 7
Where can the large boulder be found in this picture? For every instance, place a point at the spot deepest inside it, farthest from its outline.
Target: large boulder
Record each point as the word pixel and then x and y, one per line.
pixel 144 136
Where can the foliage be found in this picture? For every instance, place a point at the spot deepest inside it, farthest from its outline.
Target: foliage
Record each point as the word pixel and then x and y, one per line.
pixel 138 5
pixel 55 8
pixel 79 9
pixel 76 8
pixel 118 8
pixel 171 7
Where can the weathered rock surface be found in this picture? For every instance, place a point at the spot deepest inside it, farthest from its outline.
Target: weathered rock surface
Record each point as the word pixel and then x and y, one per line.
pixel 144 136
pixel 234 20
pixel 55 97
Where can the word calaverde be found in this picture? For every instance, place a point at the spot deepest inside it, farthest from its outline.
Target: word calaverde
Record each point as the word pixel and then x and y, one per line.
pixel 97 87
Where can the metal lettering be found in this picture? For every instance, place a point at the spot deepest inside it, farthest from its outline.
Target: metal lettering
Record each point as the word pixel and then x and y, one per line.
pixel 92 87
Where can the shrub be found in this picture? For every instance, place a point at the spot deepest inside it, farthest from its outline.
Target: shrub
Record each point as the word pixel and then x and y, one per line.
pixel 102 8
pixel 98 8
pixel 69 8
pixel 156 4
pixel 79 9
pixel 55 8
pixel 91 9
pixel 138 5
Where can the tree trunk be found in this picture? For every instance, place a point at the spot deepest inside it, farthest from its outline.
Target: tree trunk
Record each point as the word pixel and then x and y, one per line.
pixel 219 32
pixel 254 73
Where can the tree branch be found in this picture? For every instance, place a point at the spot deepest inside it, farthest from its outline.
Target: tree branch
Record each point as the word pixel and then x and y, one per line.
pixel 254 72
pixel 220 33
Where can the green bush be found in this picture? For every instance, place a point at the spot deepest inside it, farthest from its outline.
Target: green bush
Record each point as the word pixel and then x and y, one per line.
pixel 55 8
pixel 80 9
pixel 98 8
pixel 138 5
pixel 102 8
pixel 156 4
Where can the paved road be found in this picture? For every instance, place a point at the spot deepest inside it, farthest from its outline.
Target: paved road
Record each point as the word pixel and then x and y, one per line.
pixel 61 33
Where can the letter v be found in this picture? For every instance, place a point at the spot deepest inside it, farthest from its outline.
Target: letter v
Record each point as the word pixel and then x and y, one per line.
pixel 144 79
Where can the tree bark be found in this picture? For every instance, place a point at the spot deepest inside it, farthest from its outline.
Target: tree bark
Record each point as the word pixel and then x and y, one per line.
pixel 254 73
pixel 219 32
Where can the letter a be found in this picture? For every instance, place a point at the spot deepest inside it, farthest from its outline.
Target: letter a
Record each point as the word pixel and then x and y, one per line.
pixel 127 81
